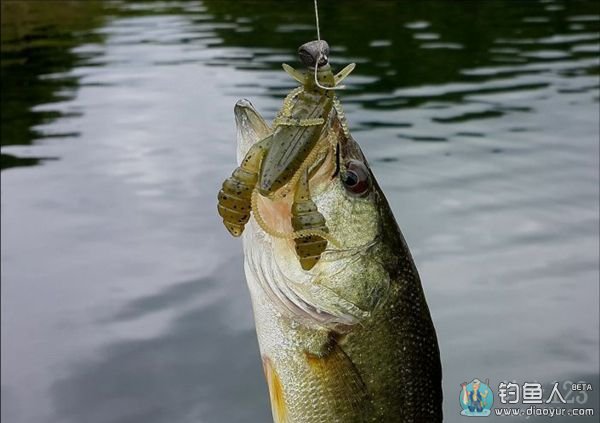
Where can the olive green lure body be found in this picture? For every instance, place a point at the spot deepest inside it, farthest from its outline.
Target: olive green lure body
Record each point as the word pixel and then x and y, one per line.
pixel 280 157
pixel 297 129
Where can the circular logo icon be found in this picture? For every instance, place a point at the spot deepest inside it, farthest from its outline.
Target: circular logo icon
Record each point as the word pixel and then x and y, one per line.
pixel 476 398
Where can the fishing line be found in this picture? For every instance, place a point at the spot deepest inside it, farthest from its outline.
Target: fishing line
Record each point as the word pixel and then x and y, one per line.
pixel 307 162
pixel 317 83
pixel 317 19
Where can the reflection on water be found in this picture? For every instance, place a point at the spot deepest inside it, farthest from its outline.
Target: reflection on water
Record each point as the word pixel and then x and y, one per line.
pixel 37 40
pixel 123 298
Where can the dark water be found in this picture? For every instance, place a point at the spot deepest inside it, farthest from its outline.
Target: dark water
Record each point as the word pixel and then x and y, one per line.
pixel 123 297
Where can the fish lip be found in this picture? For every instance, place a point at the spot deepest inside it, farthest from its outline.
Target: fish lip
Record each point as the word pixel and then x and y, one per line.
pixel 243 107
pixel 243 103
pixel 250 127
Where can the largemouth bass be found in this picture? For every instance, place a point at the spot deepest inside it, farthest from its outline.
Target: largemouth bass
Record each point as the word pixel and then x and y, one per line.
pixel 350 339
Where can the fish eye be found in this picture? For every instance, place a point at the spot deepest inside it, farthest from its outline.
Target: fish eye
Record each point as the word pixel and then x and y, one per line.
pixel 356 179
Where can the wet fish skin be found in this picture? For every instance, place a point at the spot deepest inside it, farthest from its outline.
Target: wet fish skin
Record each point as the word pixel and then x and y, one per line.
pixel 352 340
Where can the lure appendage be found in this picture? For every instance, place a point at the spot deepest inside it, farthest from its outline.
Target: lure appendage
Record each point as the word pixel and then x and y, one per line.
pixel 305 216
pixel 235 196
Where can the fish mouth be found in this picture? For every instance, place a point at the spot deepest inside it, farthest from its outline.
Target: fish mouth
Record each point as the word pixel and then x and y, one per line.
pixel 271 262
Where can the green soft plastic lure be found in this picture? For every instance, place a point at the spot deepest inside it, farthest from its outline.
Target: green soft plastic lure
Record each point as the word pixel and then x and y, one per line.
pixel 282 160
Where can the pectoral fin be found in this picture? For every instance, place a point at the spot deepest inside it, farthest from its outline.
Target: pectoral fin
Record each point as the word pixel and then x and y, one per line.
pixel 344 390
pixel 322 385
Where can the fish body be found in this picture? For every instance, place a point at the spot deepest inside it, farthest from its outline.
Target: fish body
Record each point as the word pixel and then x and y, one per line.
pixel 351 339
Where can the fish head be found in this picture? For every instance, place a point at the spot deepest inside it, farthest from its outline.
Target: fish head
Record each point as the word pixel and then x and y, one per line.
pixel 351 277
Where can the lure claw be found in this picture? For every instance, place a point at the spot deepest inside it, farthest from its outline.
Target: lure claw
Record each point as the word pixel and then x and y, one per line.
pixel 296 74
pixel 341 75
